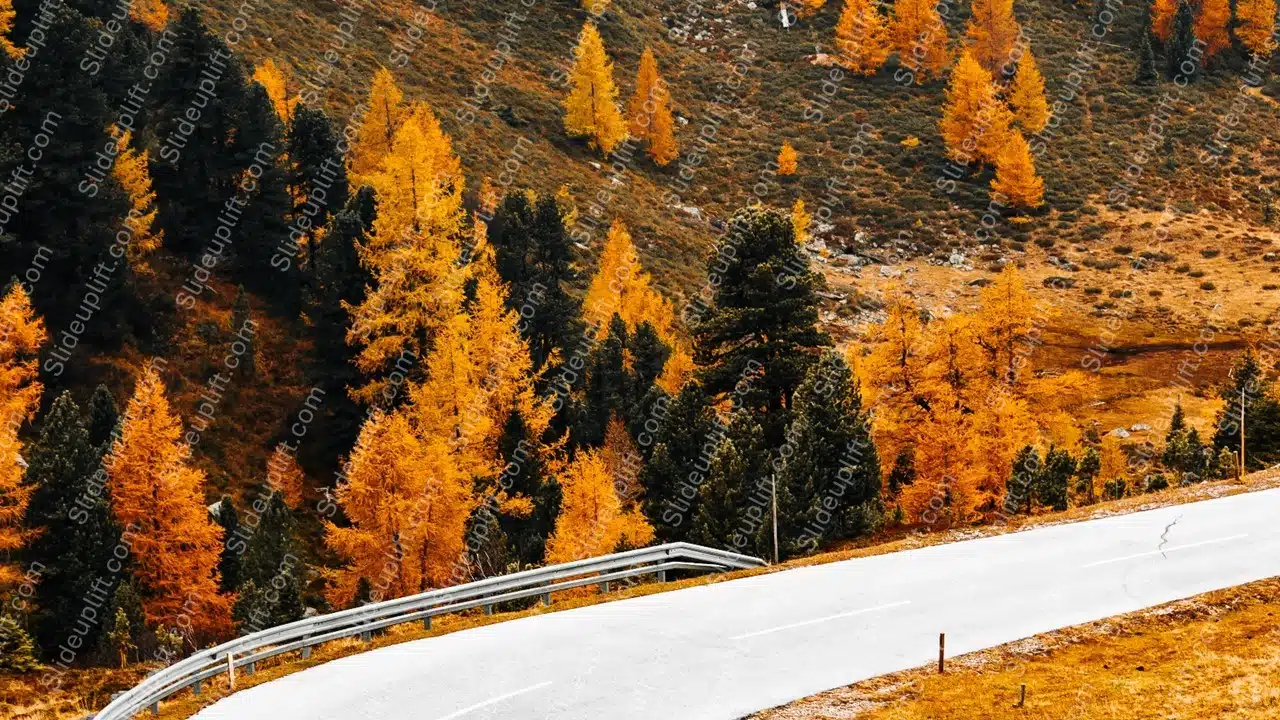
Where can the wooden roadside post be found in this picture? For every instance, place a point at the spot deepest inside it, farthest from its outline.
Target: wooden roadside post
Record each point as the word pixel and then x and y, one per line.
pixel 1022 696
pixel 231 671
pixel 942 653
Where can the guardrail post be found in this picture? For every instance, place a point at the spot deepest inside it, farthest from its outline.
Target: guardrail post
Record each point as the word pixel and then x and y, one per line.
pixel 306 653
pixel 546 599
pixel 251 668
pixel 155 708
pixel 195 687
pixel 426 623
pixel 488 609
pixel 942 652
pixel 366 635
pixel 662 576
pixel 604 586
pixel 231 670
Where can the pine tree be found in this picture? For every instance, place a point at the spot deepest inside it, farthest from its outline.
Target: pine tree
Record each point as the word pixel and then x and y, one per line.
pixel 1026 468
pixel 71 516
pixel 787 159
pixel 735 467
pixel 903 472
pixel 1027 95
pixel 758 320
pixel 607 391
pixel 593 520
pixel 1054 479
pixel 834 471
pixel 920 38
pixel 413 251
pixel 682 451
pixel 523 474
pixel 1016 177
pixel 1161 18
pixel 21 335
pixel 535 258
pixel 271 563
pixel 230 557
pixel 269 76
pixel 969 94
pixel 133 171
pixel 175 544
pixel 1249 382
pixel 264 227
pixel 1087 472
pixel 992 32
pixel 1211 26
pixel 103 415
pixel 119 638
pixel 591 108
pixel 1180 44
pixel 800 221
pixel 316 174
pixel 862 37
pixel 1147 74
pixel 378 126
pixel 17 653
pixel 1256 26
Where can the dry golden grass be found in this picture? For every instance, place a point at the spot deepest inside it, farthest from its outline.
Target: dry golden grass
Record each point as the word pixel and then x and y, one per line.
pixel 1210 657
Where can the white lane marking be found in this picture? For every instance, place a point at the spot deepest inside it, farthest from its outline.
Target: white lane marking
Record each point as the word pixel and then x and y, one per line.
pixel 494 701
pixel 1165 551
pixel 815 621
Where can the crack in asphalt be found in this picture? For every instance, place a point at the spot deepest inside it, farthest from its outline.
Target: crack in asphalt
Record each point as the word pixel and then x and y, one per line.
pixel 1164 537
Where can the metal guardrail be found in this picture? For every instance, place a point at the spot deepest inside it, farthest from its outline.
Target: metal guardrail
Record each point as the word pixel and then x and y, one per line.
pixel 301 635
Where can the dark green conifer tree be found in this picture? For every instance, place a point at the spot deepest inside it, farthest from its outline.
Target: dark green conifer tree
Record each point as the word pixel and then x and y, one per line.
pixel 763 314
pixel 524 474
pixel 317 175
pixel 1147 73
pixel 1250 385
pixel 903 472
pixel 240 316
pixel 833 470
pixel 1054 479
pixel 272 567
pixel 607 391
pixel 1021 485
pixel 1181 43
pixel 725 515
pixel 233 545
pixel 71 512
pixel 103 416
pixel 263 240
pixel 683 449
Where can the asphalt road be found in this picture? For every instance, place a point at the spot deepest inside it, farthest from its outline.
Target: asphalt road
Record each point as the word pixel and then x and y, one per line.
pixel 732 648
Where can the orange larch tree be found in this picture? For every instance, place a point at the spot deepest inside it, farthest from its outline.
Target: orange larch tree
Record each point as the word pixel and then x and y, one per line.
pixel 152 13
pixel 992 33
pixel 1256 26
pixel 1016 177
pixel 862 37
pixel 591 108
pixel 21 335
pixel 995 127
pixel 1162 14
pixel 969 93
pixel 133 171
pixel 787 159
pixel 1027 95
pixel 920 38
pixel 378 126
pixel 272 79
pixel 414 250
pixel 1212 21
pixel 158 498
pixel 649 111
pixel 593 519
pixel 800 221
pixel 809 8
pixel 7 15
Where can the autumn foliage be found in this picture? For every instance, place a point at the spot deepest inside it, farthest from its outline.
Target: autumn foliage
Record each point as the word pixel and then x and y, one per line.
pixel 133 171
pixel 1016 177
pixel 378 126
pixel 1256 25
pixel 649 111
pixel 787 158
pixel 1027 95
pixel 862 37
pixel 920 38
pixel 21 335
pixel 1212 21
pixel 594 519
pixel 591 108
pixel 971 103
pixel 992 32
pixel 272 79
pixel 1162 14
pixel 157 496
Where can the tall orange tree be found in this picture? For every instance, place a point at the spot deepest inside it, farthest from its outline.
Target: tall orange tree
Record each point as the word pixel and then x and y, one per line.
pixel 133 171
pixel 21 335
pixel 1016 177
pixel 1256 25
pixel 919 37
pixel 992 32
pixel 594 520
pixel 1211 25
pixel 413 252
pixel 152 13
pixel 1162 14
pixel 1027 95
pixel 969 93
pixel 377 131
pixel 862 37
pixel 591 108
pixel 269 76
pixel 158 497
pixel 649 111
